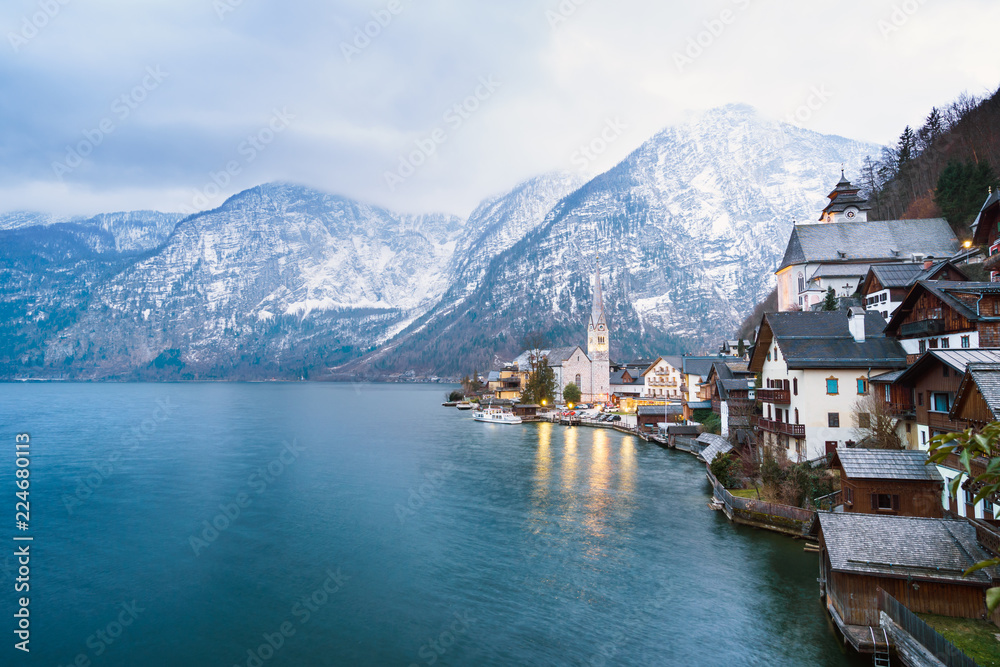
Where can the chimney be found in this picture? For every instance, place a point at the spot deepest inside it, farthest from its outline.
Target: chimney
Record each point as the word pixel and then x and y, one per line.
pixel 928 264
pixel 856 324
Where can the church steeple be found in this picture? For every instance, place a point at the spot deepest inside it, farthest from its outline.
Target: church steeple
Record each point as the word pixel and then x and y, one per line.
pixel 846 203
pixel 597 328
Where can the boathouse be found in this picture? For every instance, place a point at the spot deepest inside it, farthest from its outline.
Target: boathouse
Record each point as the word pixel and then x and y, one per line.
pixel 918 561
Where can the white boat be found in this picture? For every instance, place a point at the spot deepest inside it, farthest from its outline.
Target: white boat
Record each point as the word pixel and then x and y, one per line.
pixel 464 405
pixel 496 416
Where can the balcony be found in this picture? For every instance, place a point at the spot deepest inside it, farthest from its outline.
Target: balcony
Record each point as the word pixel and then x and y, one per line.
pixel 902 410
pixel 794 430
pixel 778 396
pixel 922 328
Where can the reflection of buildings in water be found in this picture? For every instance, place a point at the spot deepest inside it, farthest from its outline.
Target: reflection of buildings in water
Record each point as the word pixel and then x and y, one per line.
pixel 570 460
pixel 543 460
pixel 627 465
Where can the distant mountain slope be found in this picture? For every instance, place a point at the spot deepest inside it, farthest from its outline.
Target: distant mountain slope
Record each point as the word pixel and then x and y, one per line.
pixel 690 228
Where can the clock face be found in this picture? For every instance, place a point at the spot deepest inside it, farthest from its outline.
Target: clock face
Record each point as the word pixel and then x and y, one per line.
pixel 851 213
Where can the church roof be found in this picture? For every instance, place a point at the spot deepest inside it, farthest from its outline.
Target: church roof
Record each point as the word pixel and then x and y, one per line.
pixel 873 240
pixel 561 354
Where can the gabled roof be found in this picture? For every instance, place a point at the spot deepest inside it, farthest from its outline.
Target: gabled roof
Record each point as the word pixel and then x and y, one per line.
pixel 700 366
pixel 902 464
pixel 618 379
pixel 906 274
pixel 874 240
pixel 986 378
pixel 716 445
pixel 962 297
pixel 957 359
pixel 817 339
pixel 559 355
pixel 904 547
pixel 674 362
pixel 660 410
pixel 840 271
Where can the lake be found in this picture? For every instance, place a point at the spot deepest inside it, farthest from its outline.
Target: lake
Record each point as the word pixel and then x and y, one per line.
pixel 357 524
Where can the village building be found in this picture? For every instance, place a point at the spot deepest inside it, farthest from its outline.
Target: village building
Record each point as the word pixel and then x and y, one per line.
pixel 887 481
pixel 947 315
pixel 986 232
pixel 886 285
pixel 694 376
pixel 715 445
pixel 977 403
pixel 732 389
pixel 653 418
pixel 814 367
pixel 663 378
pixel 839 250
pixel 506 384
pixel 731 348
pixel 919 562
pixel 627 384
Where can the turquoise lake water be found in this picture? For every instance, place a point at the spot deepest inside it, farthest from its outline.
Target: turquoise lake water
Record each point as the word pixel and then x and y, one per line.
pixel 339 524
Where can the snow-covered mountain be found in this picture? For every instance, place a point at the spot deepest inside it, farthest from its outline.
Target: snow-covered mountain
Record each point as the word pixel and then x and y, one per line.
pixel 689 229
pixel 284 280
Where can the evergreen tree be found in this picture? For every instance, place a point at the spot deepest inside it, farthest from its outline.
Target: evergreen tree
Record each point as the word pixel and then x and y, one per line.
pixel 830 302
pixel 571 394
pixel 541 384
pixel 961 191
pixel 906 148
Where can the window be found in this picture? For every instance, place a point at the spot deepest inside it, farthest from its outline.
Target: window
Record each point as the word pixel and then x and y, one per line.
pixel 884 502
pixel 923 346
pixel 945 343
pixel 802 285
pixel 920 398
pixel 796 415
pixel 965 341
pixel 864 420
pixel 885 314
pixel 987 509
pixel 940 402
pixel 795 386
pixel 888 394
pixel 831 386
pixel 833 419
pixel 848 495
pixel 862 387
pixel 578 383
pixel 970 497
pixel 775 352
pixel 769 355
pixel 933 344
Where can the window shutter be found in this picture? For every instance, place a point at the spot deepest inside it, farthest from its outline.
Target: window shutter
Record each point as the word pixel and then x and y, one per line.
pixel 895 502
pixel 874 501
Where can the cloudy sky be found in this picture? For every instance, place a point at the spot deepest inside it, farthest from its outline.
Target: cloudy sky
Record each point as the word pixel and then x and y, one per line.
pixel 113 105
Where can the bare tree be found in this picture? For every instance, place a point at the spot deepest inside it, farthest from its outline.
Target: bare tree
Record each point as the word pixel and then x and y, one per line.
pixel 874 424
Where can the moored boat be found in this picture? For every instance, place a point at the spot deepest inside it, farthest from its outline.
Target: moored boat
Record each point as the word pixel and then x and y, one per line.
pixel 465 405
pixel 496 416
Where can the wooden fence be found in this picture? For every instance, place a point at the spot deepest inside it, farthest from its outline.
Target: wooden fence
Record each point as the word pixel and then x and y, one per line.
pixel 762 514
pixel 942 649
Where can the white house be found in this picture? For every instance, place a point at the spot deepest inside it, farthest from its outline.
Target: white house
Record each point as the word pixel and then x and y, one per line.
pixel 663 378
pixel 815 366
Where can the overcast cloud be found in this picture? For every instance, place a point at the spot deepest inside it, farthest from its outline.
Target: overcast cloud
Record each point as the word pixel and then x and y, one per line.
pixel 163 95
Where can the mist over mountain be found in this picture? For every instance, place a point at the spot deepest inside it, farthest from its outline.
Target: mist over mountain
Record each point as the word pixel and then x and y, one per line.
pixel 286 281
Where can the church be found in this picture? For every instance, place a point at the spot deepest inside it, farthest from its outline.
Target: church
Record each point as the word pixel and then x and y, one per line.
pixel 589 369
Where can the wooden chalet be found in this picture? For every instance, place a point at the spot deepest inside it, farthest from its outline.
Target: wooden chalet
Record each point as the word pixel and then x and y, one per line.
pixel 947 315
pixel 925 392
pixel 889 482
pixel 977 401
pixel 919 561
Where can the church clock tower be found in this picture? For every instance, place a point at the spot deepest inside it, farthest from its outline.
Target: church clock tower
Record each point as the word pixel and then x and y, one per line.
pixel 598 339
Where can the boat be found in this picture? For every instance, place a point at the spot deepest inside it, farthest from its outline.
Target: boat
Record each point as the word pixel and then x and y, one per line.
pixel 465 405
pixel 450 404
pixel 496 416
